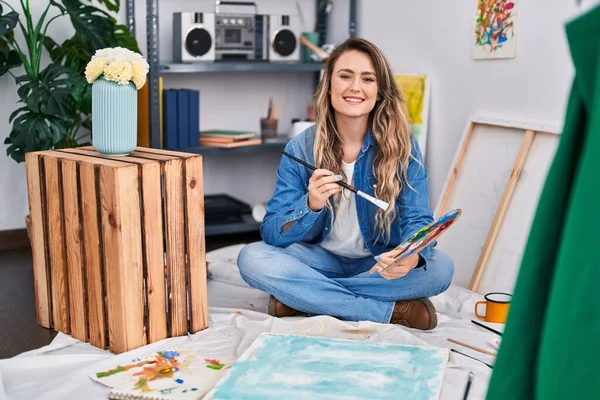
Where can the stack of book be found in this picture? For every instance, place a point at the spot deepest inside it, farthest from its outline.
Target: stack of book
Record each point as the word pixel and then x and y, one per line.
pixel 181 118
pixel 228 138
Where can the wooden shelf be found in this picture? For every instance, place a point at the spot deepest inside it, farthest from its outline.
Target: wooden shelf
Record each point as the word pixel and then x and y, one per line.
pixel 273 144
pixel 239 66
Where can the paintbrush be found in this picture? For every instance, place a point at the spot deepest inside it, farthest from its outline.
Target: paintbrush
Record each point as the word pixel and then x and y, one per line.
pixel 379 203
pixel 473 358
pixel 487 327
pixel 479 349
pixel 468 385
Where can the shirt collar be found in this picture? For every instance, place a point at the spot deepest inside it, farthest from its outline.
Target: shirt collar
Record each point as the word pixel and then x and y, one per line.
pixel 368 140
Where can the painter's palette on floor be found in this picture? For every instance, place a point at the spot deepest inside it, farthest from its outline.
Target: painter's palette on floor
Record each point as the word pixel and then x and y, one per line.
pixel 280 366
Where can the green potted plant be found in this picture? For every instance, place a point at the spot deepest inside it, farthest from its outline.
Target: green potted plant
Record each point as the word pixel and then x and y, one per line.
pixel 55 101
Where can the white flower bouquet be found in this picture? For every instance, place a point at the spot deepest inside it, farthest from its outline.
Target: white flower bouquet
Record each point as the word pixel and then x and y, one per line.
pixel 119 65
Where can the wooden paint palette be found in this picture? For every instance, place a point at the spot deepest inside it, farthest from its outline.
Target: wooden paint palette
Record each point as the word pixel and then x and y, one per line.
pixel 424 236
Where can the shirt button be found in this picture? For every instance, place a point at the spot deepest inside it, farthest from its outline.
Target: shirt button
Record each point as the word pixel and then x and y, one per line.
pixel 362 220
pixel 301 212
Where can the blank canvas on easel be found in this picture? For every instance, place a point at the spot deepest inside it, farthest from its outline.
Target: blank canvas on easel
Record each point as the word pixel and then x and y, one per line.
pixel 496 178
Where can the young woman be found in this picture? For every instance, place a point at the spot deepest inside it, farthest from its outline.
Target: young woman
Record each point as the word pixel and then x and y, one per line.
pixel 324 248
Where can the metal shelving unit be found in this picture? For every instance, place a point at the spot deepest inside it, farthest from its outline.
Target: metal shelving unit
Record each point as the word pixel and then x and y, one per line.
pixel 238 66
pixel 156 70
pixel 271 144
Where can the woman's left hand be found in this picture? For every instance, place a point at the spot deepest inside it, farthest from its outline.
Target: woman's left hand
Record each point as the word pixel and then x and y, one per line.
pixel 398 270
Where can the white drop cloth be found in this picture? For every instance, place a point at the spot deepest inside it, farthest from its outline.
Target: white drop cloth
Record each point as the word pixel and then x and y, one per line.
pixel 237 316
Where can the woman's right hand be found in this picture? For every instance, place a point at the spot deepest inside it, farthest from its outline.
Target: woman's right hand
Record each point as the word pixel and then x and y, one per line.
pixel 321 185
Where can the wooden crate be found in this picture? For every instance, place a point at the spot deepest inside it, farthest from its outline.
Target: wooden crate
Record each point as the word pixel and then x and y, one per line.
pixel 118 245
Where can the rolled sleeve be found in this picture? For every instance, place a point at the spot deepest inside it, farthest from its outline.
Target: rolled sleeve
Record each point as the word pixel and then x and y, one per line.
pixel 288 217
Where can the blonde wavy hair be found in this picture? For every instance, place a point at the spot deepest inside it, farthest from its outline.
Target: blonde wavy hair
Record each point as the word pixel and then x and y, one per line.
pixel 390 123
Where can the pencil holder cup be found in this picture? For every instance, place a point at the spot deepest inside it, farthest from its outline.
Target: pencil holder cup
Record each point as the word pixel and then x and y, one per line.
pixel 268 127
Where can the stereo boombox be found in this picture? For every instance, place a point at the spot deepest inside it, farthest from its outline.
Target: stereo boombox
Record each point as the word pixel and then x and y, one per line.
pixel 235 34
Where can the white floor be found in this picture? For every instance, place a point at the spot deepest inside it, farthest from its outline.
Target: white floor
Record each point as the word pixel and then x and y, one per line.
pixel 237 316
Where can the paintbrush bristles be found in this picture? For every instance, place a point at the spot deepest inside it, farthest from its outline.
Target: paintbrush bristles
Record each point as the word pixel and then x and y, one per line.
pixel 379 203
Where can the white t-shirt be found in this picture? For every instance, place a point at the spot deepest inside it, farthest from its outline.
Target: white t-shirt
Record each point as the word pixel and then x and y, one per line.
pixel 345 238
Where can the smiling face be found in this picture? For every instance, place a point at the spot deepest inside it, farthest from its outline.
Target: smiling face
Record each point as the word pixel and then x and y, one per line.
pixel 353 85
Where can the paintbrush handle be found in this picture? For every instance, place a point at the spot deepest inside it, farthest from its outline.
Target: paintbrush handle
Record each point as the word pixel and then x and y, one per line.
pixel 472 347
pixel 307 165
pixel 473 358
pixel 487 327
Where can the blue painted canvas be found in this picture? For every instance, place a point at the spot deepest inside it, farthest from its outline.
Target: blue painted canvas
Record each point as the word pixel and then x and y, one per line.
pixel 278 366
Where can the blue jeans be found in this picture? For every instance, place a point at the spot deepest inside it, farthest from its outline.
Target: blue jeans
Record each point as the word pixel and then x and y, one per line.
pixel 310 279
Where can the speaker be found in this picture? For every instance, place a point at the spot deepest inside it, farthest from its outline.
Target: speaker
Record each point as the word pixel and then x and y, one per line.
pixel 193 36
pixel 284 38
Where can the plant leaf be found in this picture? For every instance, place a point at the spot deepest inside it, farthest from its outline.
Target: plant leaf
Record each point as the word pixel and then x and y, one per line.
pixel 81 91
pixel 94 26
pixel 9 61
pixel 48 94
pixel 56 4
pixel 125 39
pixel 33 132
pixel 77 54
pixel 4 49
pixel 8 22
pixel 111 5
pixel 55 51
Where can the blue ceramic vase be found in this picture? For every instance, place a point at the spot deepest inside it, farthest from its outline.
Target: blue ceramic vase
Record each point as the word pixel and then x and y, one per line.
pixel 114 117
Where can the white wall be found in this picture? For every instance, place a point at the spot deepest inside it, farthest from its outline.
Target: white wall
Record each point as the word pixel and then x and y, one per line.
pixel 435 37
pixel 422 36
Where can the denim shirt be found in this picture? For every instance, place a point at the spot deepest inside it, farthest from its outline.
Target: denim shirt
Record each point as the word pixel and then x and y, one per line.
pixel 289 202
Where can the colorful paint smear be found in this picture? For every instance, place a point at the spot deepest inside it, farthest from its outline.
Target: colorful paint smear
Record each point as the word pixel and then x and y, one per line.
pixel 414 89
pixel 214 364
pixel 182 373
pixel 495 29
pixel 425 236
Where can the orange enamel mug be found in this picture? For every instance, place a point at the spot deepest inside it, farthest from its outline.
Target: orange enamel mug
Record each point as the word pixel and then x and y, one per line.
pixel 496 307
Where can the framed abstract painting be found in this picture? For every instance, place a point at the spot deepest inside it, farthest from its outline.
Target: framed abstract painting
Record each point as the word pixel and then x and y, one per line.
pixel 494 33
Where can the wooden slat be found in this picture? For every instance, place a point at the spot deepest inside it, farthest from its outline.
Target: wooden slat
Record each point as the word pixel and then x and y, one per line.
pixel 152 156
pixel 77 300
pixel 70 154
pixel 455 168
pixel 175 231
pixel 196 249
pixel 93 255
pixel 152 220
pixel 56 245
pixel 121 232
pixel 151 153
pixel 84 151
pixel 41 272
pixel 165 152
pixel 502 206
